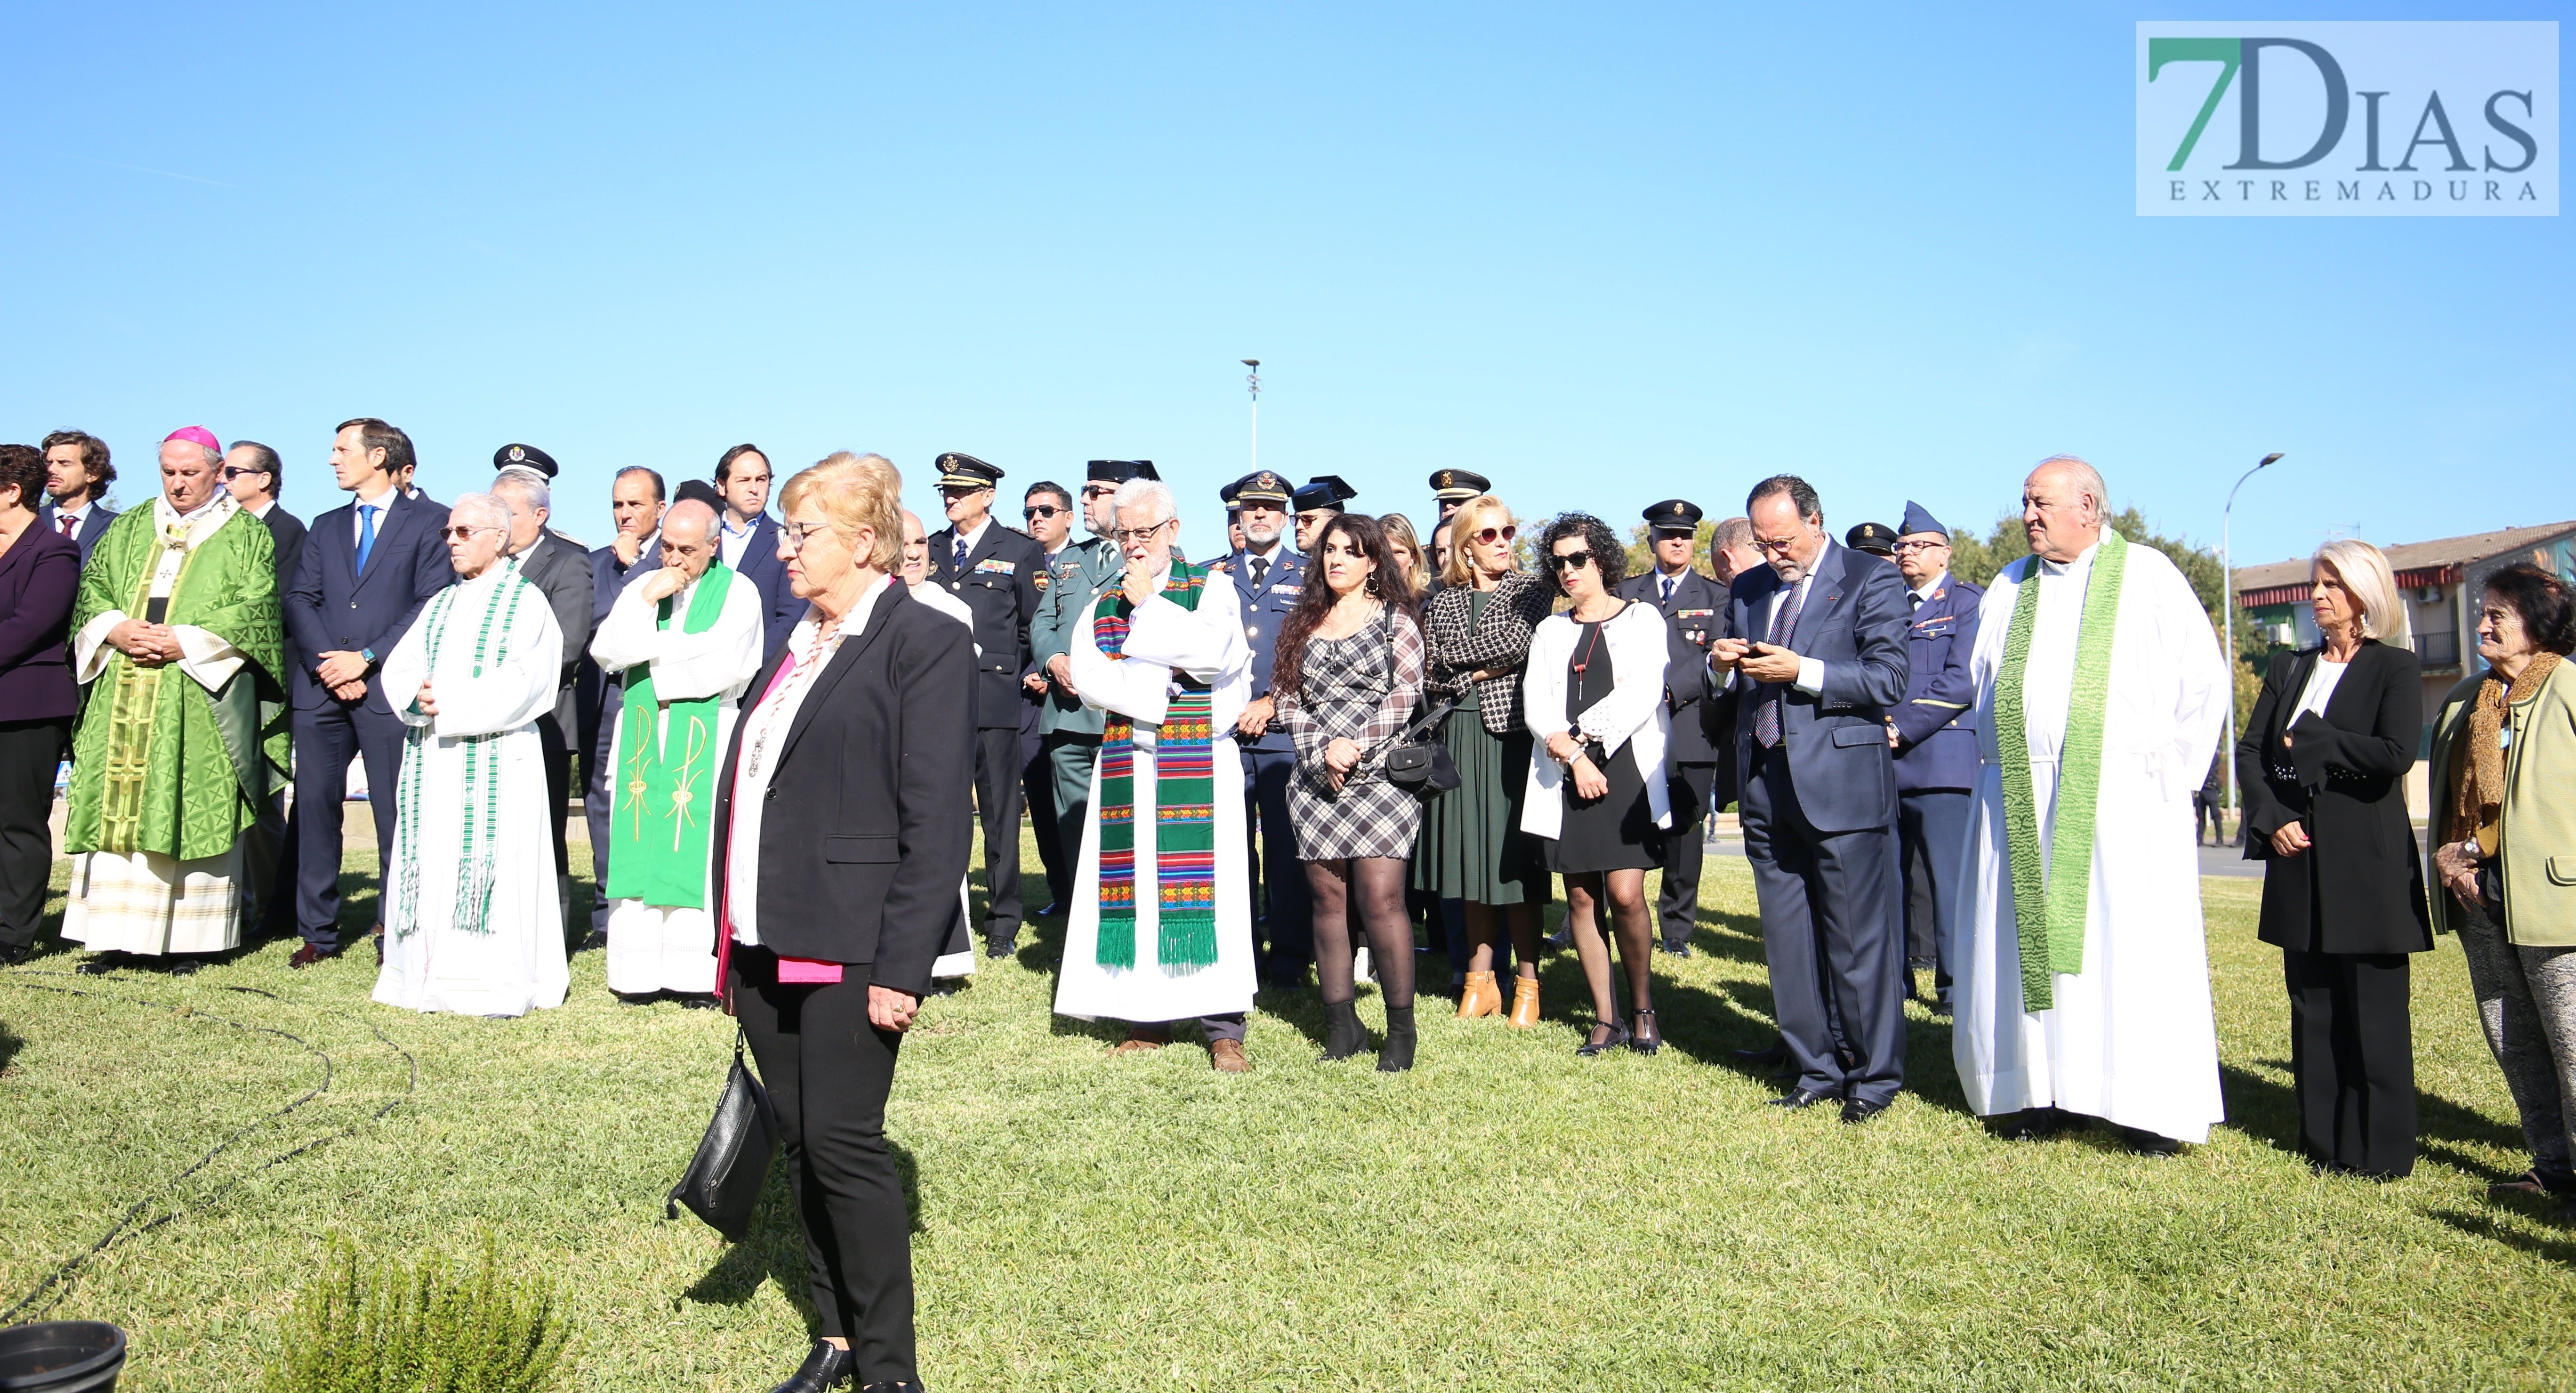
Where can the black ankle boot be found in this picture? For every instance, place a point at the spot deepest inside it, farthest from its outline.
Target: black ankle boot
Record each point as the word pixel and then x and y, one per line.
pixel 1343 1036
pixel 1396 1055
pixel 826 1367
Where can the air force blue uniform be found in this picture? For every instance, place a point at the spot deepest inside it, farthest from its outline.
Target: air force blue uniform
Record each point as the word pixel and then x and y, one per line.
pixel 1936 762
pixel 1268 764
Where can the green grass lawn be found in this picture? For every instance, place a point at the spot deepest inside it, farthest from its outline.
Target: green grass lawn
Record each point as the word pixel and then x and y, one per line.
pixel 1506 1216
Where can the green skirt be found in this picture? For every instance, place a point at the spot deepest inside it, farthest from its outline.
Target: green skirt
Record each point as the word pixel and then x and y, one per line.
pixel 1472 846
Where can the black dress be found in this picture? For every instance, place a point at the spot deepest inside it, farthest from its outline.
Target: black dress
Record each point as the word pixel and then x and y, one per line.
pixel 1615 832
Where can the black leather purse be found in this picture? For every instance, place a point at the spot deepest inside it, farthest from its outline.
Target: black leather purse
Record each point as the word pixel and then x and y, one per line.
pixel 1418 761
pixel 724 1179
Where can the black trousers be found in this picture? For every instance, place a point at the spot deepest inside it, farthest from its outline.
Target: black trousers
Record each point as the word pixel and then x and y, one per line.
pixel 1283 930
pixel 1677 899
pixel 1830 933
pixel 997 805
pixel 30 752
pixel 326 737
pixel 1934 826
pixel 2352 1052
pixel 595 803
pixel 1046 825
pixel 557 753
pixel 828 1071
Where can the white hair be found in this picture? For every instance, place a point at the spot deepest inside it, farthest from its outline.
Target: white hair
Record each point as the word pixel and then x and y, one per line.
pixel 2088 480
pixel 481 508
pixel 1149 493
pixel 527 487
pixel 2365 573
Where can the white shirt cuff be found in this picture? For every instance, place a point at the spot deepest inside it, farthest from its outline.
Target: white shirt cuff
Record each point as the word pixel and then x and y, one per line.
pixel 1811 676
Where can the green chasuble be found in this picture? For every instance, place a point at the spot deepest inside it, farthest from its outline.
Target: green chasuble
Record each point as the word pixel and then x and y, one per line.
pixel 158 763
pixel 665 780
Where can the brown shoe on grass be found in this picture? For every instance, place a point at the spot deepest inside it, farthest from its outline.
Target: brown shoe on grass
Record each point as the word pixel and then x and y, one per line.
pixel 1226 1057
pixel 1138 1041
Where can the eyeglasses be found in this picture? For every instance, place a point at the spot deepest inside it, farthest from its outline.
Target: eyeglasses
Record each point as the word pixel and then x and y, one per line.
pixel 795 533
pixel 235 471
pixel 461 533
pixel 1778 548
pixel 1491 535
pixel 1098 490
pixel 957 491
pixel 1569 561
pixel 1036 511
pixel 1125 535
pixel 1902 548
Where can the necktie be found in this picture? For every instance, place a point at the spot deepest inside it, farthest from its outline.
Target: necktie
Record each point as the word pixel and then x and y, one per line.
pixel 1260 568
pixel 1914 600
pixel 69 522
pixel 1784 622
pixel 1669 583
pixel 366 534
pixel 960 564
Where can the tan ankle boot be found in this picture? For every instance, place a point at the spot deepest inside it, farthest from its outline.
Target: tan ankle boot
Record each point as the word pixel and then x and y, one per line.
pixel 1480 997
pixel 1524 1003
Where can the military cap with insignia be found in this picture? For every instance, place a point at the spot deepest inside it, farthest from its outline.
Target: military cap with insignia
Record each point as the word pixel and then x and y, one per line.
pixel 1458 485
pixel 1919 521
pixel 1261 486
pixel 1326 491
pixel 524 457
pixel 1674 515
pixel 958 471
pixel 1876 538
pixel 1227 496
pixel 1118 471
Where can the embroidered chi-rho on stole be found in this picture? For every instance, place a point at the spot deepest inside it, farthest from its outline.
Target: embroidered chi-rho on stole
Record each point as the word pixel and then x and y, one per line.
pixel 1184 874
pixel 666 778
pixel 2051 902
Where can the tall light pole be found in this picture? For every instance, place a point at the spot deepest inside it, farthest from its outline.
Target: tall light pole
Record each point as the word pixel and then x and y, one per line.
pixel 2227 610
pixel 1253 380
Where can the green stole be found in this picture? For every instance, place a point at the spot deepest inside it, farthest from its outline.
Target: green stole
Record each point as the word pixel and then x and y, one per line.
pixel 643 863
pixel 480 819
pixel 1184 806
pixel 2051 902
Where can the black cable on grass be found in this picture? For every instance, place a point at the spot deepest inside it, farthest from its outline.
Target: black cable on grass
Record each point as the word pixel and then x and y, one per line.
pixel 60 1280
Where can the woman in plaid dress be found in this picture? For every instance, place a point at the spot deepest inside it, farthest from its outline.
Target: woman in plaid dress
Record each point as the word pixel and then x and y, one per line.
pixel 1349 672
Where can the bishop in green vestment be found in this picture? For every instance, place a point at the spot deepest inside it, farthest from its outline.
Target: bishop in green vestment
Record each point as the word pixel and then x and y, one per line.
pixel 176 641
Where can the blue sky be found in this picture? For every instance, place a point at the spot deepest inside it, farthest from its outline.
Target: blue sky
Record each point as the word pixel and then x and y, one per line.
pixel 1603 255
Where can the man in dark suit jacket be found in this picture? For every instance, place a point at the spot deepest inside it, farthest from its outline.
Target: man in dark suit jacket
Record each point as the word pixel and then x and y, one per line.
pixel 1812 657
pixel 994 570
pixel 1934 735
pixel 253 474
pixel 78 470
pixel 1268 577
pixel 635 504
pixel 562 572
pixel 1693 606
pixel 367 569
pixel 747 539
pixel 1048 510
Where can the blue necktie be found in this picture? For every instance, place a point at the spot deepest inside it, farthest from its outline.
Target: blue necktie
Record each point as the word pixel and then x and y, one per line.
pixel 1669 583
pixel 959 565
pixel 366 534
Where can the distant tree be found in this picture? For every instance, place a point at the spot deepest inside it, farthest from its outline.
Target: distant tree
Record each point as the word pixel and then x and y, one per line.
pixel 1641 555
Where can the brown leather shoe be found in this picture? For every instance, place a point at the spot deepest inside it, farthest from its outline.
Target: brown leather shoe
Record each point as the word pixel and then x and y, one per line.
pixel 1140 1040
pixel 1226 1057
pixel 308 955
pixel 1524 1003
pixel 1480 997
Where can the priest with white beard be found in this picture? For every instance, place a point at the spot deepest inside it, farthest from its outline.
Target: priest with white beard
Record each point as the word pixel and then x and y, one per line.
pixel 1161 928
pixel 686 639
pixel 2084 985
pixel 472 925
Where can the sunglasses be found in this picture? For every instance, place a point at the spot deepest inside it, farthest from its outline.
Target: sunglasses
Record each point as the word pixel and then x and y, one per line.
pixel 1569 561
pixel 1036 511
pixel 1098 490
pixel 461 533
pixel 234 471
pixel 1491 535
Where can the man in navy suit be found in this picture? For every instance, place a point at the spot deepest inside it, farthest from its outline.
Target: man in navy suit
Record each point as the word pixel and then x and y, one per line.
pixel 635 504
pixel 78 470
pixel 1268 577
pixel 993 571
pixel 1934 735
pixel 367 569
pixel 747 538
pixel 1812 657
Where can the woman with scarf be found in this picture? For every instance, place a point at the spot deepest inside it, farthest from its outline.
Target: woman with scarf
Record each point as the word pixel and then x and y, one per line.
pixel 2504 805
pixel 2323 765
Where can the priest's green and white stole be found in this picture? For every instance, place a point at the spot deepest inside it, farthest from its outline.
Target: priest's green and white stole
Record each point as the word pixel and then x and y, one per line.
pixel 666 776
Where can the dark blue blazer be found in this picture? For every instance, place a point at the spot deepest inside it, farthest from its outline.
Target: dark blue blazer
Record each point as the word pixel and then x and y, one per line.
pixel 1936 728
pixel 591 686
pixel 286 533
pixel 760 565
pixel 1854 623
pixel 87 534
pixel 332 609
pixel 39 581
pixel 1264 611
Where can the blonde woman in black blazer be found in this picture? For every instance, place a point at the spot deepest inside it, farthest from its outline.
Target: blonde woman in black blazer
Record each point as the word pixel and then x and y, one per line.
pixel 2323 765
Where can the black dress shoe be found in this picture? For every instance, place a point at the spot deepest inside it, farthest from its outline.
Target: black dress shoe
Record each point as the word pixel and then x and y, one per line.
pixel 998 949
pixel 2147 1143
pixel 1801 1098
pixel 593 941
pixel 1777 1054
pixel 1678 950
pixel 101 965
pixel 184 965
pixel 15 953
pixel 893 1385
pixel 825 1367
pixel 1861 1110
pixel 2035 1124
pixel 698 1001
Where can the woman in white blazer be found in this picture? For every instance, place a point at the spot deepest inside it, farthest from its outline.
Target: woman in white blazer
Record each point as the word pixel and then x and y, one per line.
pixel 1593 695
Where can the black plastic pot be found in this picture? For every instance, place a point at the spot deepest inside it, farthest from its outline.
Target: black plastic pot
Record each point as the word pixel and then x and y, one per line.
pixel 61 1356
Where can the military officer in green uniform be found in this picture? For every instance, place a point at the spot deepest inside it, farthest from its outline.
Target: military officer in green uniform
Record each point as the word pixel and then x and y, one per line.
pixel 1068 731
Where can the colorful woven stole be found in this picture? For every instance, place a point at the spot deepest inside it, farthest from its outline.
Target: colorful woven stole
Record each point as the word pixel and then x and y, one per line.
pixel 659 833
pixel 1184 806
pixel 480 818
pixel 2052 902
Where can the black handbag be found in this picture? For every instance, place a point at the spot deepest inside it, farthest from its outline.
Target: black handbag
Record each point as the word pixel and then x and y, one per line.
pixel 724 1179
pixel 1418 761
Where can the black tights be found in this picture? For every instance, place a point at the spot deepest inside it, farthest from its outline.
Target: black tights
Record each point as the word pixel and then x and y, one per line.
pixel 1377 882
pixel 1631 924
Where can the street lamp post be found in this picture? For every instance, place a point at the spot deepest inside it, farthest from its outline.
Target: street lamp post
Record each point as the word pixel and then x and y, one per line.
pixel 1253 380
pixel 2227 618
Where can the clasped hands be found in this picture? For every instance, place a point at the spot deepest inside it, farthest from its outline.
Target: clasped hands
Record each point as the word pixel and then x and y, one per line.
pixel 345 673
pixel 2456 865
pixel 148 644
pixel 1763 662
pixel 1589 781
